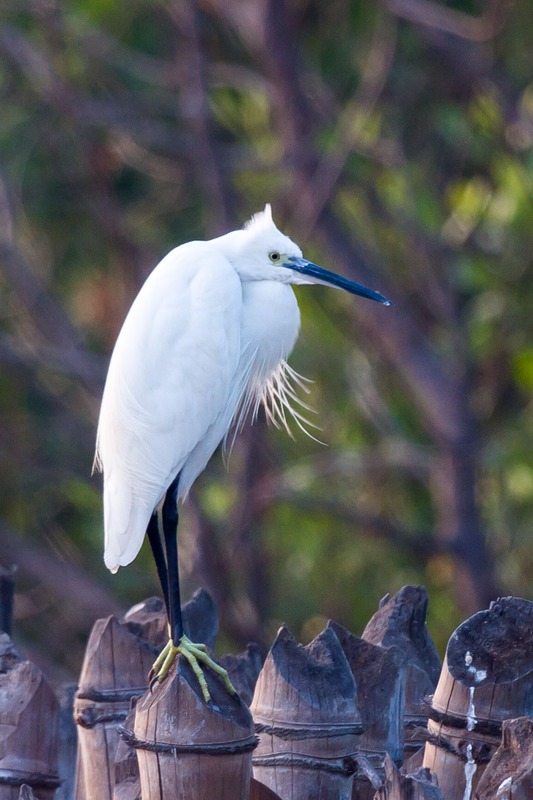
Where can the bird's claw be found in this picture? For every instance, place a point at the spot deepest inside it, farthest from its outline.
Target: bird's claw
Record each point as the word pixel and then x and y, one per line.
pixel 193 652
pixel 152 680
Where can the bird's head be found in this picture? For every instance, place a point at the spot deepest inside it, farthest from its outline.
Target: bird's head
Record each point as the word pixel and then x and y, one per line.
pixel 261 252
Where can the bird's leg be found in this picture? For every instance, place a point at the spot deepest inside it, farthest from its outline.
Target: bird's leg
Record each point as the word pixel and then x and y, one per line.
pixel 154 537
pixel 179 642
pixel 167 570
pixel 170 535
pixel 159 557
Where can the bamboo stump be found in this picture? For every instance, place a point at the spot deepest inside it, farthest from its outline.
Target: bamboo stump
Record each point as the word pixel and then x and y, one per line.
pixel 258 791
pixel 68 740
pixel 127 780
pixel 510 772
pixel 200 619
pixel 487 676
pixel 305 710
pixel 26 793
pixel 401 622
pixel 421 785
pixel 115 671
pixel 29 726
pixel 378 675
pixel 188 749
pixel 244 670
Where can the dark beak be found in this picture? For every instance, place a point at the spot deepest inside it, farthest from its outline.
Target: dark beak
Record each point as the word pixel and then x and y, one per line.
pixel 317 274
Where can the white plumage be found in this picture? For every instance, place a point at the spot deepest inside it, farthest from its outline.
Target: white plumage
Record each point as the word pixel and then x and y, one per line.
pixel 199 340
pixel 206 338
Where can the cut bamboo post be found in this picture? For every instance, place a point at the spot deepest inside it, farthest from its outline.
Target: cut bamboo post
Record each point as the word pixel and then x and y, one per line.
pixel 510 772
pixel 378 675
pixel 258 791
pixel 127 779
pixel 244 670
pixel 487 676
pixel 200 619
pixel 26 793
pixel 115 672
pixel 456 754
pixel 188 749
pixel 421 785
pixel 305 710
pixel 29 723
pixel 68 740
pixel 117 661
pixel 401 622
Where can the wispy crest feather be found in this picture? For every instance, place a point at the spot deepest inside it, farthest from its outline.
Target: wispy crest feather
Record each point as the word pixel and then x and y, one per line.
pixel 262 221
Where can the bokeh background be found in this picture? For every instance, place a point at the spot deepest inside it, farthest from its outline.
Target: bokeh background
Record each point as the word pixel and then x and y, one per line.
pixel 394 140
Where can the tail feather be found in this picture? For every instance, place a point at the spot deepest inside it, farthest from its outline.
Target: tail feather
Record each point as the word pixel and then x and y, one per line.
pixel 126 518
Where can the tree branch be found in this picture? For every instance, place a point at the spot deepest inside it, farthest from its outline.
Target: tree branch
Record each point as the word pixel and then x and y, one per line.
pixel 85 597
pixel 349 126
pixel 194 106
pixel 62 340
pixel 449 20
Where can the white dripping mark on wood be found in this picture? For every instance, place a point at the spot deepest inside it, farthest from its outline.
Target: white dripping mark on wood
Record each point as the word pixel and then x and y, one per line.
pixel 470 771
pixel 471 712
pixel 479 674
pixel 471 766
pixel 503 792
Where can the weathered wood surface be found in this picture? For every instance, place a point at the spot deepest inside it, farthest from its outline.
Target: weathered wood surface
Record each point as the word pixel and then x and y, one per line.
pixel 487 677
pixel 188 749
pixel 26 793
pixel 401 622
pixel 68 741
pixel 244 670
pixel 200 619
pixel 118 659
pixel 329 714
pixel 377 673
pixel 127 778
pixel 258 791
pixel 29 720
pixel 305 711
pixel 422 785
pixel 509 776
pixel 414 762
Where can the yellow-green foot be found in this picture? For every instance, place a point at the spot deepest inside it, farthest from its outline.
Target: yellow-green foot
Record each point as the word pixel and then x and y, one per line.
pixel 194 653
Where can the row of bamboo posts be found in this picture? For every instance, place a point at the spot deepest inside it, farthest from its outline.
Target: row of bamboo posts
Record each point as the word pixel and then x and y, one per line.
pixel 344 718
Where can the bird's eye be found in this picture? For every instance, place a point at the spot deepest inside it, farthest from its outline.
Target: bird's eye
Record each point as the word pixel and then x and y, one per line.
pixel 274 256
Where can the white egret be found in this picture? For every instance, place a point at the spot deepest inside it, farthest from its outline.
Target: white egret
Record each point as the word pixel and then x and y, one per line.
pixel 204 343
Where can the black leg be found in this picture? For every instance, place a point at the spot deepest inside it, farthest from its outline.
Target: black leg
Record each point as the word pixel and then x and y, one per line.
pixel 170 535
pixel 159 557
pixel 167 568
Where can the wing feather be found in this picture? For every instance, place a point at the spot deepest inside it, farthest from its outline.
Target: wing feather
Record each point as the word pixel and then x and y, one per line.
pixel 171 380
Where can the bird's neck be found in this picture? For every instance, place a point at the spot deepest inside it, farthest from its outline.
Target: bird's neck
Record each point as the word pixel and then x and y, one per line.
pixel 270 322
